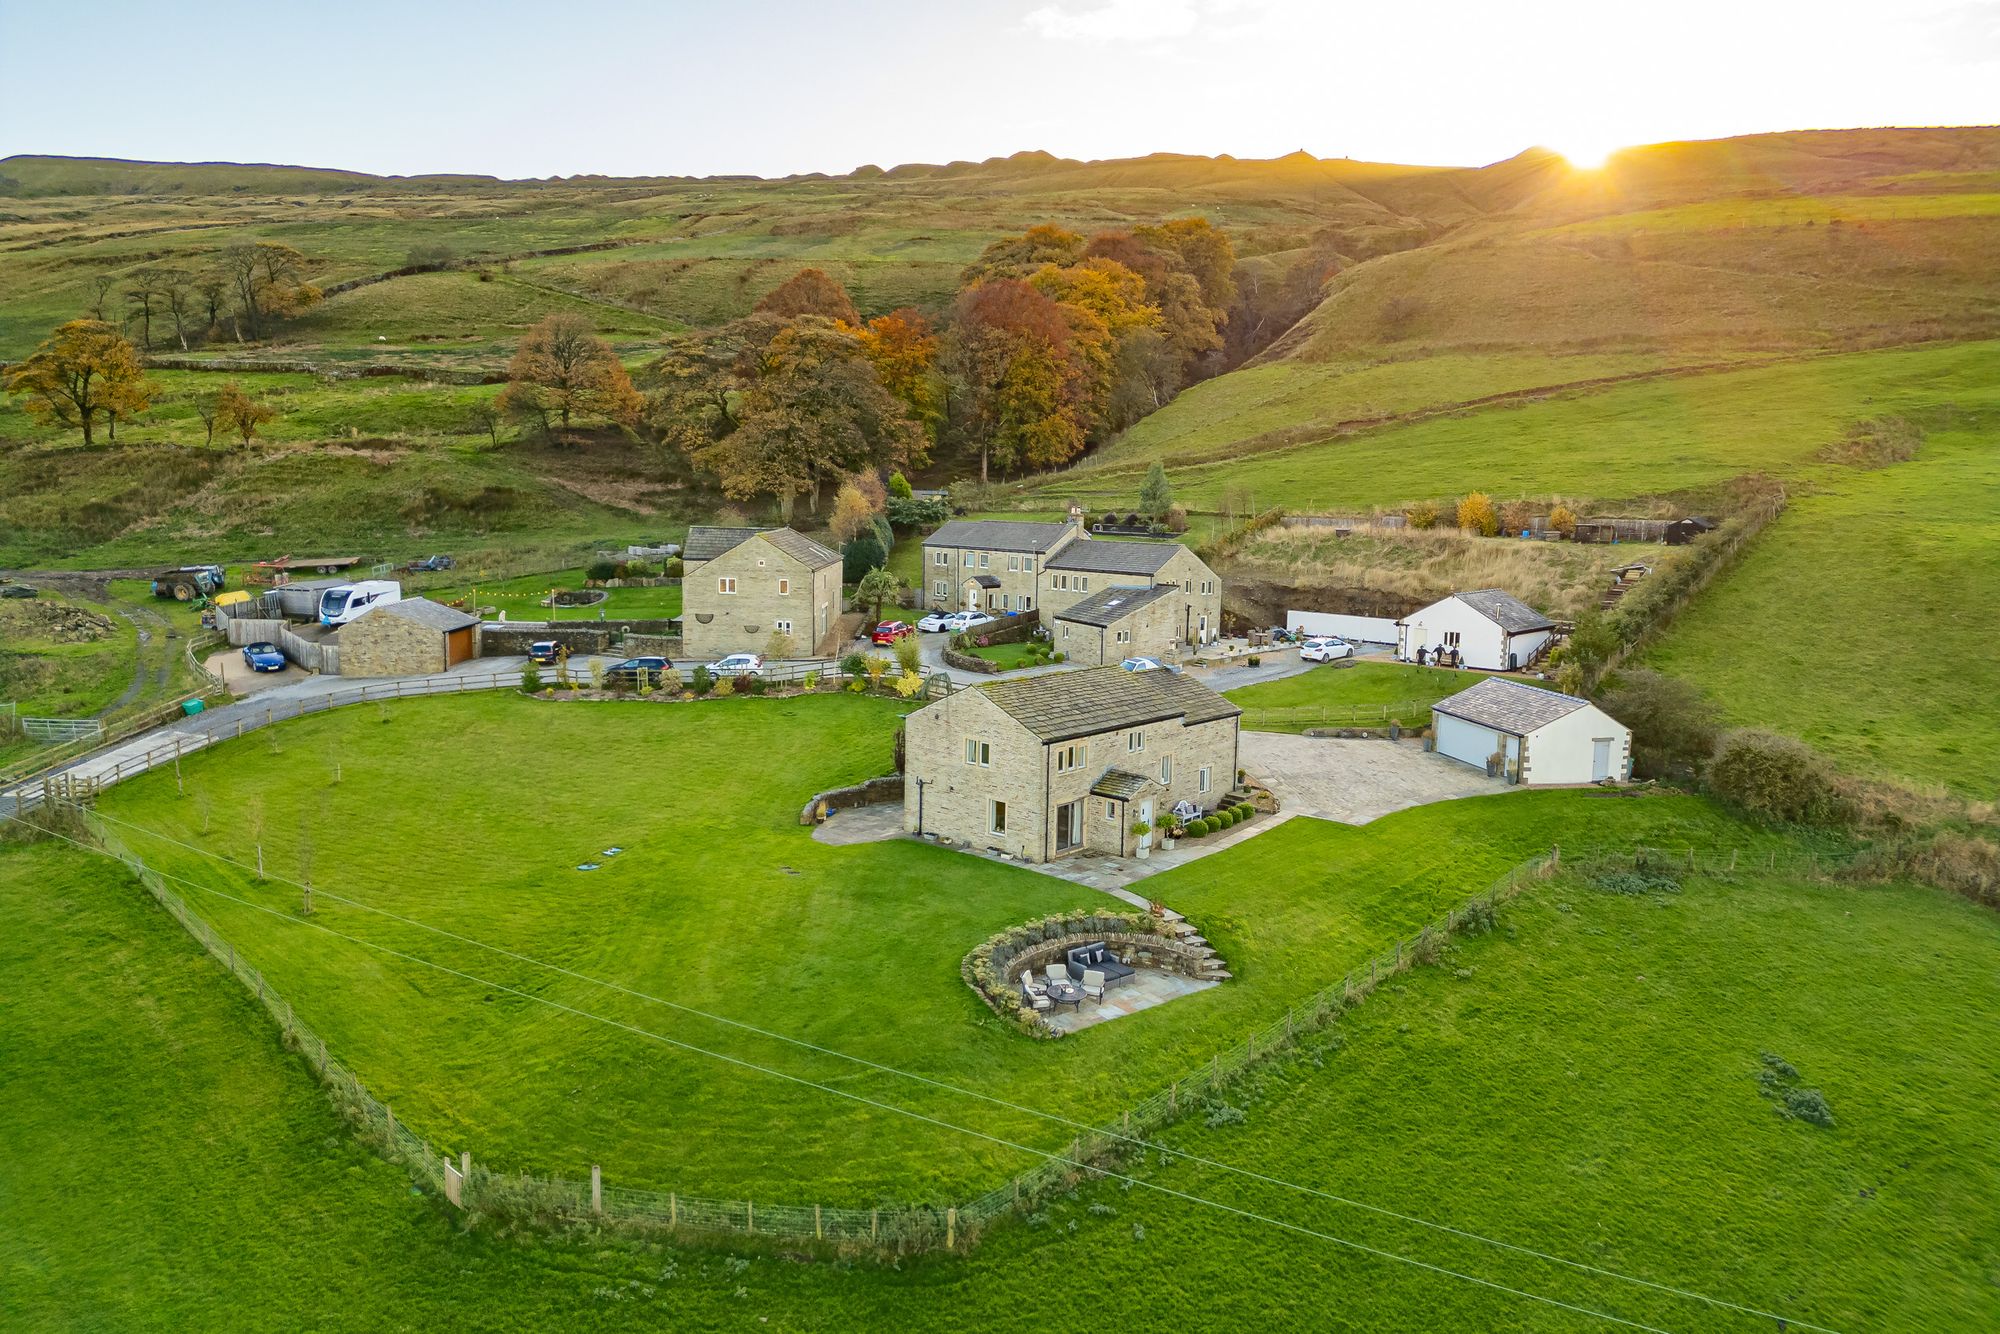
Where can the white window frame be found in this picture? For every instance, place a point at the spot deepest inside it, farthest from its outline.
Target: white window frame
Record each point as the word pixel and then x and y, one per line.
pixel 940 558
pixel 1070 758
pixel 1135 742
pixel 1203 786
pixel 996 816
pixel 985 560
pixel 1013 564
pixel 784 588
pixel 978 752
pixel 941 588
pixel 1111 810
pixel 1451 639
pixel 782 627
pixel 1027 564
pixel 725 585
pixel 1166 770
pixel 1124 637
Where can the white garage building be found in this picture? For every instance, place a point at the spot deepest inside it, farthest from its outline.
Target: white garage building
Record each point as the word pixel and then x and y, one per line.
pixel 1543 737
pixel 1493 630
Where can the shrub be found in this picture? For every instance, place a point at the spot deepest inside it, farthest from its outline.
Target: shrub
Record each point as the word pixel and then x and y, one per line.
pixel 531 678
pixel 670 681
pixel 1563 519
pixel 1254 660
pixel 1246 810
pixel 1222 1114
pixel 905 512
pixel 1058 656
pixel 864 553
pixel 1774 778
pixel 702 681
pixel 810 683
pixel 724 688
pixel 747 684
pixel 675 569
pixel 899 485
pixel 601 570
pixel 1636 882
pixel 1422 516
pixel 909 685
pixel 853 665
pixel 909 654
pixel 1176 520
pixel 1673 724
pixel 1477 515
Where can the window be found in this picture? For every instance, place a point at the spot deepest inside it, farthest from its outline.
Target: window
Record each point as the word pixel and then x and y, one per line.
pixel 1451 639
pixel 1069 757
pixel 997 816
pixel 1028 564
pixel 1207 587
pixel 1111 811
pixel 1203 776
pixel 984 560
pixel 782 627
pixel 1083 583
pixel 1027 602
pixel 1059 582
pixel 784 587
pixel 1003 602
pixel 1124 636
pixel 1014 564
pixel 940 558
pixel 978 752
pixel 1135 742
pixel 941 589
pixel 1166 770
pixel 725 585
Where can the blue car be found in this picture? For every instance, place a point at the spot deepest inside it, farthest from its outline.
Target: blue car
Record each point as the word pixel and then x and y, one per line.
pixel 264 657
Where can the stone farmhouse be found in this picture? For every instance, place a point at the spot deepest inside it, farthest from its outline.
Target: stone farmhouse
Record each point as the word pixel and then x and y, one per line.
pixel 1532 736
pixel 1490 629
pixel 1050 766
pixel 1000 566
pixel 742 585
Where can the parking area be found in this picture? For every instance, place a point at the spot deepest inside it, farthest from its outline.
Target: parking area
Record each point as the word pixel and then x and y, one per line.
pixel 1355 781
pixel 235 674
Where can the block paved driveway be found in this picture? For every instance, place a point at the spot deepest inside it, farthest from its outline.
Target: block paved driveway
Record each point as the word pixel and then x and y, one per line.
pixel 1355 781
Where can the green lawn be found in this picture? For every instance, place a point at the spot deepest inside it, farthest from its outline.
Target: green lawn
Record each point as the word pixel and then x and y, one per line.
pixel 521 598
pixel 1863 618
pixel 1008 656
pixel 1366 685
pixel 1582 1083
pixel 724 902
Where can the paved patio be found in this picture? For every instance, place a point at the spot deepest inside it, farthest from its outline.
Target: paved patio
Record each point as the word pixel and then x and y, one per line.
pixel 1146 989
pixel 1355 781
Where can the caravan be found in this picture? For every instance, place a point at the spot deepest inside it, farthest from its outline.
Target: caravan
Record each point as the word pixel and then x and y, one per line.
pixel 344 602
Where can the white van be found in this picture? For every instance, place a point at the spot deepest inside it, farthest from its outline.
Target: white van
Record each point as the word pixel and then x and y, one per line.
pixel 344 602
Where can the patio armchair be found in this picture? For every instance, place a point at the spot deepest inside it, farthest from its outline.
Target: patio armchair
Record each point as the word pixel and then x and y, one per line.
pixel 1093 985
pixel 1030 985
pixel 1097 956
pixel 1057 973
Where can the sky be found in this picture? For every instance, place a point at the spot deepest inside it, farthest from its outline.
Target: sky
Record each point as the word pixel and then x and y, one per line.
pixel 771 87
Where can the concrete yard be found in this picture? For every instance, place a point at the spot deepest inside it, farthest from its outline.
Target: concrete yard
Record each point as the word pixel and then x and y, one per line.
pixel 1355 781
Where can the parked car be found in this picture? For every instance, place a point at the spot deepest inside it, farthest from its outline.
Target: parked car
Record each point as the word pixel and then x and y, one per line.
pixel 627 672
pixel 263 657
pixel 1325 650
pixel 966 620
pixel 890 631
pixel 739 664
pixel 935 621
pixel 544 652
pixel 1146 665
pixel 430 565
pixel 19 591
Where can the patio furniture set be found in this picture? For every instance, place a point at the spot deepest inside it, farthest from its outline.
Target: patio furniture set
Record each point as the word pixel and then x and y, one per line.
pixel 1088 970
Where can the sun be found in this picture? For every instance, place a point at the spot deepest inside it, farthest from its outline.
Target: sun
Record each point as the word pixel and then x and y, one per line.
pixel 1587 154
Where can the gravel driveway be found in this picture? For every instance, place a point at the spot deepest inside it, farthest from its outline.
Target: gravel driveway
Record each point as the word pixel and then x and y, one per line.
pixel 1355 781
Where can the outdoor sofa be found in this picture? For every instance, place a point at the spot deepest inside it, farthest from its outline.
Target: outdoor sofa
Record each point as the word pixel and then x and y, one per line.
pixel 1096 956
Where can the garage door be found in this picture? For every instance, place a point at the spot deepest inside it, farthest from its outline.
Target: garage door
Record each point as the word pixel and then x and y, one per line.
pixel 457 646
pixel 1465 741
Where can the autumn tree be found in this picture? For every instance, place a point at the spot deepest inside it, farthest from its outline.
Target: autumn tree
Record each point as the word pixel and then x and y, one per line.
pixel 851 513
pixel 809 409
pixel 562 371
pixel 1476 515
pixel 903 348
pixel 810 292
pixel 1019 256
pixel 1026 385
pixel 239 414
pixel 87 370
pixel 267 280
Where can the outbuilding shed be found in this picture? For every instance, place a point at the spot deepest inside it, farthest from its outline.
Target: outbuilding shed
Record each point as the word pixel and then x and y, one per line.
pixel 1487 628
pixel 408 638
pixel 1531 736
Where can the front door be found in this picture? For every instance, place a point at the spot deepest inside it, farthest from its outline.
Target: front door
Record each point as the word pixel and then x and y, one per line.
pixel 1600 759
pixel 1069 827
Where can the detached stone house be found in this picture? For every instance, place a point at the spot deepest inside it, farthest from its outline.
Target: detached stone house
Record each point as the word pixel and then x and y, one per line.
pixel 1491 629
pixel 1000 566
pixel 742 585
pixel 1048 766
pixel 409 638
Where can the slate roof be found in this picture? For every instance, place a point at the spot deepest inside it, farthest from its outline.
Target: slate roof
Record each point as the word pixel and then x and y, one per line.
pixel 1505 610
pixel 1056 706
pixel 1114 604
pixel 706 541
pixel 1104 557
pixel 999 535
pixel 425 612
pixel 1120 785
pixel 1509 706
pixel 801 548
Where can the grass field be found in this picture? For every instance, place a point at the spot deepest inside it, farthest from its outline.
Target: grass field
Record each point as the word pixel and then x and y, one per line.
pixel 1366 684
pixel 1862 620
pixel 726 904
pixel 1581 1082
pixel 521 598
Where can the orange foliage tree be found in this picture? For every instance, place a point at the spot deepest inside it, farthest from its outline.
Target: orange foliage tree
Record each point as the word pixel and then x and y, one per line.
pixel 563 370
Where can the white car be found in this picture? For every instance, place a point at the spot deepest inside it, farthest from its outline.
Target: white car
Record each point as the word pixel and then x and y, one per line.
pixel 738 664
pixel 936 621
pixel 961 621
pixel 1144 665
pixel 1325 650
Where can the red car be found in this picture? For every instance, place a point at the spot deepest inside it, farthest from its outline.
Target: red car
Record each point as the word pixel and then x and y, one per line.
pixel 889 632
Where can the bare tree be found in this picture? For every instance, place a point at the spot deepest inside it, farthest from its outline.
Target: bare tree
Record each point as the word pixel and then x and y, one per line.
pixel 145 289
pixel 101 287
pixel 178 294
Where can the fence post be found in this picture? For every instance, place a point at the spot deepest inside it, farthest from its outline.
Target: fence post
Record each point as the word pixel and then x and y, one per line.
pixel 875 1218
pixel 1174 1098
pixel 818 1233
pixel 950 1227
pixel 465 1174
pixel 596 1189
pixel 390 1113
pixel 673 1209
pixel 749 1215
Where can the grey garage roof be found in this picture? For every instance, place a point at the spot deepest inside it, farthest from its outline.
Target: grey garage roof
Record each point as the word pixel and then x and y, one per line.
pixel 1120 785
pixel 424 612
pixel 1509 706
pixel 811 554
pixel 1505 610
pixel 998 535
pixel 1056 706
pixel 706 541
pixel 1106 557
pixel 1114 604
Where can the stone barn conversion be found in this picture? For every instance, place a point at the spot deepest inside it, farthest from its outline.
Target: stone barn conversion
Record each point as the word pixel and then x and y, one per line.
pixel 1048 766
pixel 1488 629
pixel 1119 623
pixel 743 585
pixel 1532 736
pixel 407 638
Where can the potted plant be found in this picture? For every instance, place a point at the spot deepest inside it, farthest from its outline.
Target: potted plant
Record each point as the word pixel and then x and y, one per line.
pixel 1143 832
pixel 1170 830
